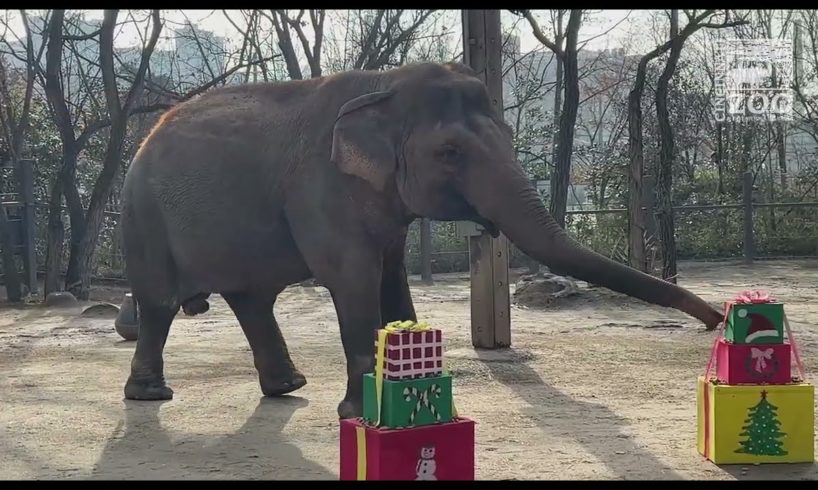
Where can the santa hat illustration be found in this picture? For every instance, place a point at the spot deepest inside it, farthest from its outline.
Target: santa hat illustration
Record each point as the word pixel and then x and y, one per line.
pixel 760 325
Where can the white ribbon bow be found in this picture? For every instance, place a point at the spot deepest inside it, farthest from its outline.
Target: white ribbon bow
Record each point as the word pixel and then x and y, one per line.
pixel 761 357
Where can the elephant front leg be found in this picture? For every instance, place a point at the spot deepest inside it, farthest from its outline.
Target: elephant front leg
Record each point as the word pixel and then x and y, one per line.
pixel 356 291
pixel 359 316
pixel 396 299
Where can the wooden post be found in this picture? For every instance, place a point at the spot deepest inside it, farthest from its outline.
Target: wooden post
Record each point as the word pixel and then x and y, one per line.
pixel 26 179
pixel 426 250
pixel 488 257
pixel 747 206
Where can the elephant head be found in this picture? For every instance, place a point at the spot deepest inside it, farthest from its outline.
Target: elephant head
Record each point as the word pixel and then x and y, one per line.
pixel 429 134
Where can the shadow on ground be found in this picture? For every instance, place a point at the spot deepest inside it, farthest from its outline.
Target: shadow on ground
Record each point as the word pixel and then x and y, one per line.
pixel 601 431
pixel 593 425
pixel 258 450
pixel 802 471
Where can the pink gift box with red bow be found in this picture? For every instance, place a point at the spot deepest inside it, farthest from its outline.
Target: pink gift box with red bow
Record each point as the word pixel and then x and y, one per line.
pixel 753 363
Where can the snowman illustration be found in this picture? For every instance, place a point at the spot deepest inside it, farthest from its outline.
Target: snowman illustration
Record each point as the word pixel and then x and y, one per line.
pixel 426 464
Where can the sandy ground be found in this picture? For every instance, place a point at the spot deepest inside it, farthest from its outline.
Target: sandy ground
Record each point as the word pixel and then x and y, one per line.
pixel 601 388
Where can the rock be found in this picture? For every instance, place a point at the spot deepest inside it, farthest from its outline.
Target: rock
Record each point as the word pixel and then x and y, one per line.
pixel 101 310
pixel 60 299
pixel 543 289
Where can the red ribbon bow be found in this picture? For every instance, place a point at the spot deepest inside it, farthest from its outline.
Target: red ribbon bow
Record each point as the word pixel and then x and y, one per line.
pixel 753 297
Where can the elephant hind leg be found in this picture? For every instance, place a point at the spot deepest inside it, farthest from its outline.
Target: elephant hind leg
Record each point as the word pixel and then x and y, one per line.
pixel 147 380
pixel 152 276
pixel 276 372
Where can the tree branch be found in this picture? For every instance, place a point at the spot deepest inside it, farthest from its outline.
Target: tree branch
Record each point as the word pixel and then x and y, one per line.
pixel 83 37
pixel 538 33
pixel 53 86
pixel 144 62
pixel 106 63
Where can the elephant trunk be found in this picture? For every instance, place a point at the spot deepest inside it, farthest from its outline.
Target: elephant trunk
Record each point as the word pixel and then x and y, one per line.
pixel 517 210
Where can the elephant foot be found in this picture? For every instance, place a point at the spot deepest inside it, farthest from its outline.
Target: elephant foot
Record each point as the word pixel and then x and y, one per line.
pixel 348 409
pixel 281 385
pixel 144 389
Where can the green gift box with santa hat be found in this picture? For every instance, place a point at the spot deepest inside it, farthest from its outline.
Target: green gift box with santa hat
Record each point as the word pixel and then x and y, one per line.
pixel 754 318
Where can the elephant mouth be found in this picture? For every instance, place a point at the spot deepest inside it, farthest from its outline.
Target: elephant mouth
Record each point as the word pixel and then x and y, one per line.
pixel 469 213
pixel 489 226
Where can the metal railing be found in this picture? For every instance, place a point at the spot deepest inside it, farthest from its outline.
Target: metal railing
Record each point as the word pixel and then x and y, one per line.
pixel 109 261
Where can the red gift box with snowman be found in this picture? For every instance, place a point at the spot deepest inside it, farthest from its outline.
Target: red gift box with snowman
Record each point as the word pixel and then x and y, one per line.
pixel 427 452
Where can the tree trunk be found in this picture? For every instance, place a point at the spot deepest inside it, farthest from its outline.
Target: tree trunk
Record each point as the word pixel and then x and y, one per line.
pixel 11 278
pixel 62 119
pixel 56 235
pixel 76 218
pixel 64 185
pixel 664 196
pixel 561 174
pixel 771 182
pixel 746 147
pixel 720 159
pixel 637 258
pixel 285 44
pixel 92 225
pixel 782 154
pixel 557 110
pixel 558 84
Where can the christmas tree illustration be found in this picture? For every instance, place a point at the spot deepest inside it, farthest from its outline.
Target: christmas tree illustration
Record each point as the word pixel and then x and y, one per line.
pixel 762 430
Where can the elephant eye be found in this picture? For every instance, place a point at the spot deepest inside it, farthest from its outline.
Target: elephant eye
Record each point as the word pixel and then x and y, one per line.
pixel 448 153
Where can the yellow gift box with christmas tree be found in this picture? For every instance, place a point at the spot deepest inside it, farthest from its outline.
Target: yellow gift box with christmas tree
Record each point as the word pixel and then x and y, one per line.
pixel 755 423
pixel 747 424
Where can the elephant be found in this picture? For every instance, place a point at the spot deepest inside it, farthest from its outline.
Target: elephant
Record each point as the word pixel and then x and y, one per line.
pixel 248 189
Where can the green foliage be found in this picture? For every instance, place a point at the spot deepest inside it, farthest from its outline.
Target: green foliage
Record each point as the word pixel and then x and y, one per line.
pixel 604 233
pixel 450 253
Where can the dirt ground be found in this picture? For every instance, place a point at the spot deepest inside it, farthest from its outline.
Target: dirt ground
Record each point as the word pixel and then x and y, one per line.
pixel 595 388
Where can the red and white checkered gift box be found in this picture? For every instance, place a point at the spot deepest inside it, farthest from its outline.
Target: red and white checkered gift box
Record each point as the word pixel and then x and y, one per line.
pixel 409 355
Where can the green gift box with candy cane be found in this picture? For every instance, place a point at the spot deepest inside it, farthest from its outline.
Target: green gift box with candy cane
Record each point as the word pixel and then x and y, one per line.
pixel 408 402
pixel 410 386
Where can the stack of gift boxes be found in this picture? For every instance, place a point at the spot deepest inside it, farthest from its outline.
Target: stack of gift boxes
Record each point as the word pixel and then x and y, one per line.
pixel 410 429
pixel 752 410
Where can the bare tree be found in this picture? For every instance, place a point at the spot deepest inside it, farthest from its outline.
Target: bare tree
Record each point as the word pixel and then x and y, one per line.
pixel 71 147
pixel 14 121
pixel 378 39
pixel 285 25
pixel 526 75
pixel 602 125
pixel 7 121
pixel 567 56
pixel 636 240
pixel 666 143
pixel 118 113
pixel 75 89
pixel 806 72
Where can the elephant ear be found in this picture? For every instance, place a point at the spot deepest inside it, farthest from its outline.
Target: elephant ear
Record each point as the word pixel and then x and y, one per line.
pixel 361 145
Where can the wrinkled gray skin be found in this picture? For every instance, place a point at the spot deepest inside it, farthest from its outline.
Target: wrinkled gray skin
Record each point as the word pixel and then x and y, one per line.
pixel 249 189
